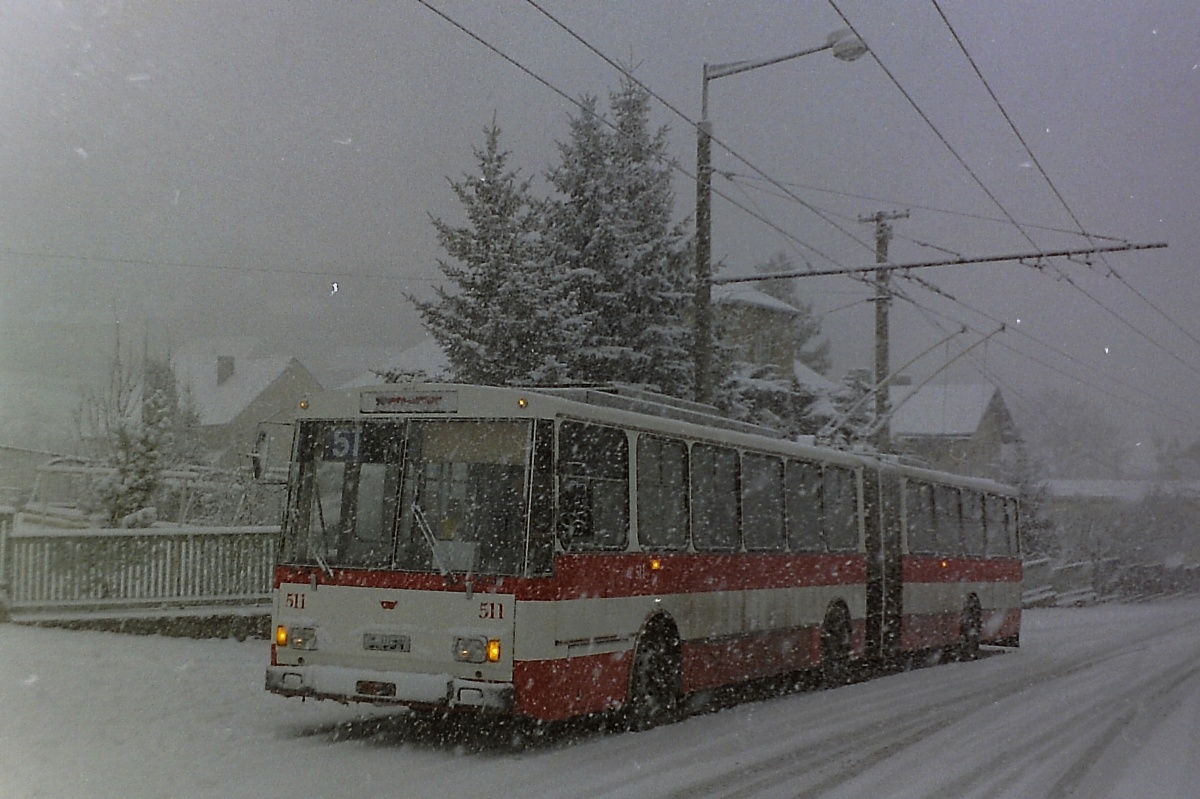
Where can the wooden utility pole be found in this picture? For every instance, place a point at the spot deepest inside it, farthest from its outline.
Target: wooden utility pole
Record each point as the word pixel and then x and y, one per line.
pixel 883 298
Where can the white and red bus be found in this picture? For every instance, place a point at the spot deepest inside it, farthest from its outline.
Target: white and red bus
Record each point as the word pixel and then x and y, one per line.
pixel 548 553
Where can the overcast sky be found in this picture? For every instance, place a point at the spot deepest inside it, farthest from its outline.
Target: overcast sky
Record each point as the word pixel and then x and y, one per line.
pixel 209 168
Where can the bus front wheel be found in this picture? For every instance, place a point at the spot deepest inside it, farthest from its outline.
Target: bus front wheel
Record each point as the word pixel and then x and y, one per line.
pixel 656 680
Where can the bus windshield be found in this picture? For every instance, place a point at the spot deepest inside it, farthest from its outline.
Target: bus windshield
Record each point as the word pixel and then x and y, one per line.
pixel 443 496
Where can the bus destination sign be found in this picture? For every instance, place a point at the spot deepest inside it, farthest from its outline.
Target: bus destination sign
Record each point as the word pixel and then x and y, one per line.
pixel 401 401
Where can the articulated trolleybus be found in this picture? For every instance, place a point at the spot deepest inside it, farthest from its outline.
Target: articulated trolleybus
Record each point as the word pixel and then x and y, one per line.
pixel 548 553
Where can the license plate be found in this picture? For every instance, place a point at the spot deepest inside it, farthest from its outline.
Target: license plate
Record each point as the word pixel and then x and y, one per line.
pixel 383 642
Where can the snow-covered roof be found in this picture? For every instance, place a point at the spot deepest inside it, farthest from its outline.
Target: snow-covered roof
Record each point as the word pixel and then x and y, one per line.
pixel 1124 490
pixel 742 294
pixel 426 358
pixel 220 401
pixel 949 410
pixel 813 380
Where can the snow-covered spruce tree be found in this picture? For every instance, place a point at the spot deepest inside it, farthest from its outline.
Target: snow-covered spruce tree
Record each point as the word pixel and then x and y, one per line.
pixel 138 455
pixel 502 325
pixel 175 413
pixel 125 425
pixel 626 266
pixel 855 408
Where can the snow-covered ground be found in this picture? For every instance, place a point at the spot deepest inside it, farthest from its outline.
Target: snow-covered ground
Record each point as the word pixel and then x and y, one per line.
pixel 1098 702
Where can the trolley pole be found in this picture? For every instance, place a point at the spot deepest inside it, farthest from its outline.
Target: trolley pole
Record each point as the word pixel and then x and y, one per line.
pixel 883 298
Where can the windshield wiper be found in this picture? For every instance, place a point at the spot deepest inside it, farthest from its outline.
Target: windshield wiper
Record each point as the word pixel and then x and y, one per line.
pixel 427 534
pixel 324 566
pixel 324 536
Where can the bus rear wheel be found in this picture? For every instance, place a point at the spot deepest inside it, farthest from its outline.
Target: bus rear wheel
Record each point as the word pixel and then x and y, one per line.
pixel 656 680
pixel 971 631
pixel 835 647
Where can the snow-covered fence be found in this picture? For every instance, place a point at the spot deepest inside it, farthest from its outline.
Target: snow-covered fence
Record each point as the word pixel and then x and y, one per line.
pixel 1037 584
pixel 1146 581
pixel 52 574
pixel 7 515
pixel 1074 584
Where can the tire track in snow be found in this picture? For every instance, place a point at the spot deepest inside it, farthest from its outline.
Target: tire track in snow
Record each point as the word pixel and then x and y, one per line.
pixel 1070 747
pixel 819 768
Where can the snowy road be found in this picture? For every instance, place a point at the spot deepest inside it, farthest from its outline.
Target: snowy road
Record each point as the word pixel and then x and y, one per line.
pixel 1098 702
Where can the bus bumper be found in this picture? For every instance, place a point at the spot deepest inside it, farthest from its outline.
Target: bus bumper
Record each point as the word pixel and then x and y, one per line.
pixel 390 688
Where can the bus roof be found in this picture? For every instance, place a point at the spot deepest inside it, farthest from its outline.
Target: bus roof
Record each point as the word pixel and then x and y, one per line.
pixel 619 406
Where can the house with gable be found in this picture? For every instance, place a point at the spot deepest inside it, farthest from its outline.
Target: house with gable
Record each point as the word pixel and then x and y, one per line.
pixel 235 389
pixel 963 428
pixel 760 329
pixel 757 326
pixel 425 360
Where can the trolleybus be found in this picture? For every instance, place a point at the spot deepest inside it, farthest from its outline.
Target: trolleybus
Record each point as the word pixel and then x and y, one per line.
pixel 549 553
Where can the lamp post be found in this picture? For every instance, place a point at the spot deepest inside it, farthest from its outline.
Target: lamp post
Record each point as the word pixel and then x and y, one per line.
pixel 845 47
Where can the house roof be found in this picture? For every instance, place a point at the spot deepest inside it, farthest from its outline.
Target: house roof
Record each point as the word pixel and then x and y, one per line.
pixel 426 358
pixel 949 410
pixel 195 367
pixel 813 380
pixel 742 294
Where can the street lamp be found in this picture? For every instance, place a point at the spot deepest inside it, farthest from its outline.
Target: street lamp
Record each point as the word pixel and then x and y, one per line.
pixel 845 47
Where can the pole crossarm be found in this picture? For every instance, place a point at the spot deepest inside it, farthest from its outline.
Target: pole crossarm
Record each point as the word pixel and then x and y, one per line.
pixel 984 259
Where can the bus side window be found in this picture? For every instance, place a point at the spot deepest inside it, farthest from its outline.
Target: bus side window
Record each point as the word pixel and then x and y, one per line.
pixel 972 519
pixel 804 506
pixel 662 506
pixel 949 520
pixel 919 519
pixel 540 558
pixel 993 517
pixel 593 487
pixel 1011 526
pixel 841 509
pixel 714 498
pixel 762 503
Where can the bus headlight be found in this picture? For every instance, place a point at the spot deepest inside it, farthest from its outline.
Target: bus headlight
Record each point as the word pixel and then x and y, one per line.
pixel 296 637
pixel 477 650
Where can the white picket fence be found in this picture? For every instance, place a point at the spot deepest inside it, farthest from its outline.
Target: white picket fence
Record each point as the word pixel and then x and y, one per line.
pixel 48 573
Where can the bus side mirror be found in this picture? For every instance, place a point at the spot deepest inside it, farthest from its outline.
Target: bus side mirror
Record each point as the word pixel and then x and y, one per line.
pixel 259 463
pixel 258 457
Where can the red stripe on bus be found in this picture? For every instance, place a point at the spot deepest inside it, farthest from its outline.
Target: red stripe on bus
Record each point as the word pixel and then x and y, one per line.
pixel 712 663
pixel 930 569
pixel 617 575
pixel 579 576
pixel 931 630
pixel 553 690
pixel 1001 625
pixel 927 631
